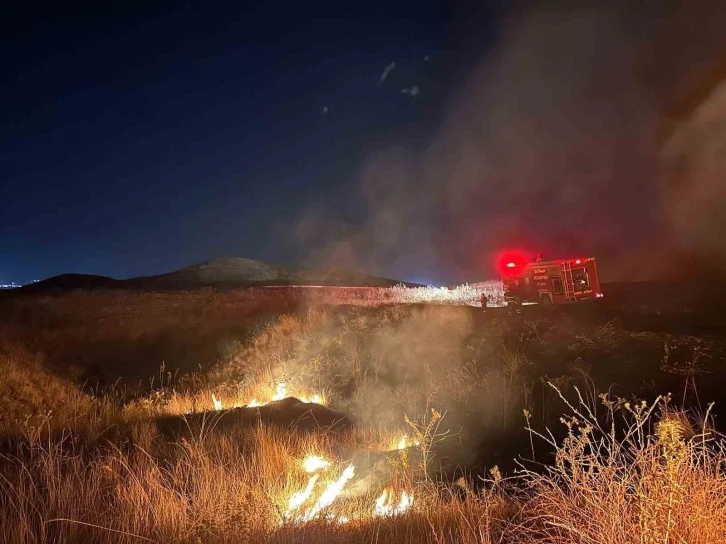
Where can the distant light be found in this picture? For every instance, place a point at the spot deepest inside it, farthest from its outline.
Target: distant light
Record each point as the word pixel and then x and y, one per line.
pixel 510 265
pixel 577 261
pixel 599 295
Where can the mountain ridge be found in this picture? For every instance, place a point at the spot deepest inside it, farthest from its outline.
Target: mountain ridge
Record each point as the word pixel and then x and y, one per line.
pixel 223 272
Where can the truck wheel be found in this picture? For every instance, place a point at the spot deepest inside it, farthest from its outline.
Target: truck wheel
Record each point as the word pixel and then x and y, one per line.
pixel 545 300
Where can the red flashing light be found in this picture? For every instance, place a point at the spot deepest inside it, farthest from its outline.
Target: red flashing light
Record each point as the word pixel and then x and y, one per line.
pixel 509 261
pixel 577 261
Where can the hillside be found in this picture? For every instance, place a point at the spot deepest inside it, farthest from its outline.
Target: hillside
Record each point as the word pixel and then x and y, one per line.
pixel 232 272
pixel 68 282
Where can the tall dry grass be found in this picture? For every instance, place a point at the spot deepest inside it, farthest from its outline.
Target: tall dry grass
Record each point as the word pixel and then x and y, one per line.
pixel 108 335
pixel 214 488
pixel 654 479
pixel 97 468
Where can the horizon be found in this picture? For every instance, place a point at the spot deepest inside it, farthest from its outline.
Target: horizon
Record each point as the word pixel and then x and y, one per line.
pixel 12 284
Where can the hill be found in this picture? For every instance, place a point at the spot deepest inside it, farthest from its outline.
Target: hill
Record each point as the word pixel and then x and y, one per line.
pixel 68 282
pixel 241 272
pixel 234 272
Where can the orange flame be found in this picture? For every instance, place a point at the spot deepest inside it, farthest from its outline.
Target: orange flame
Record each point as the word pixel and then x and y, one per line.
pixel 313 463
pixel 315 399
pixel 282 392
pixel 299 498
pixel 386 507
pixel 331 493
pixel 404 442
pixel 325 499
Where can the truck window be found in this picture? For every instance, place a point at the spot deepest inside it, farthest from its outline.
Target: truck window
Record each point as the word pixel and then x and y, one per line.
pixel 557 286
pixel 580 279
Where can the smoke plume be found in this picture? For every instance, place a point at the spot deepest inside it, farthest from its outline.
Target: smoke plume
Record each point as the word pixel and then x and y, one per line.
pixel 570 137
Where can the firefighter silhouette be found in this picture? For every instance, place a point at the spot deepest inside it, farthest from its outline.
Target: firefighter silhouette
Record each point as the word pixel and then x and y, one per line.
pixel 538 258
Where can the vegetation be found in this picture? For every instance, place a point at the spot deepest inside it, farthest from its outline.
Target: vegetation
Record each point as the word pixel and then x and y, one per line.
pixel 506 438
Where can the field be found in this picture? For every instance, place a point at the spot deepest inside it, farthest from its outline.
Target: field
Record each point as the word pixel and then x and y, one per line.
pixel 137 417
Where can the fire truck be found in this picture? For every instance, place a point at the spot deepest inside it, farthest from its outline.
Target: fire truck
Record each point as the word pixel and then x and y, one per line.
pixel 563 281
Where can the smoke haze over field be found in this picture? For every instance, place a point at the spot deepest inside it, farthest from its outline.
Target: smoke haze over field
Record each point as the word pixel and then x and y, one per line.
pixel 384 365
pixel 569 136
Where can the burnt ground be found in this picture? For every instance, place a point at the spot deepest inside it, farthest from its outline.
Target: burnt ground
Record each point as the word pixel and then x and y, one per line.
pixel 640 341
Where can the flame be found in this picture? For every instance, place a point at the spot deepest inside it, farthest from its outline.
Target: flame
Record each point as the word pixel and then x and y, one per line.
pixel 385 506
pixel 281 392
pixel 313 463
pixel 381 503
pixel 297 500
pixel 217 402
pixel 405 503
pixel 404 442
pixel 315 399
pixel 331 493
pixel 326 498
pixel 312 503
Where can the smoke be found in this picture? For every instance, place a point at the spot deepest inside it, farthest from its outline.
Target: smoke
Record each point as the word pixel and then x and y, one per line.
pixel 413 359
pixel 695 157
pixel 382 365
pixel 555 141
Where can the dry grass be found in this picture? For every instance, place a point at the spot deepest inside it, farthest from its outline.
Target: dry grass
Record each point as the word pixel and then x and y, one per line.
pixel 97 469
pixel 31 398
pixel 107 335
pixel 652 480
pixel 218 487
pixel 232 487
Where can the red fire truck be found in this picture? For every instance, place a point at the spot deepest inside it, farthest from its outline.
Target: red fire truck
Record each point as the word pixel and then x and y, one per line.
pixel 563 281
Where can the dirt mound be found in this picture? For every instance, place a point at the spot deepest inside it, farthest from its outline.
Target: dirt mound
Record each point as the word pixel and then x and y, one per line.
pixel 289 412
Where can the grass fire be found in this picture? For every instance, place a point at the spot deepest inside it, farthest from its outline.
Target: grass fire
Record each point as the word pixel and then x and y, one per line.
pixel 290 416
pixel 363 273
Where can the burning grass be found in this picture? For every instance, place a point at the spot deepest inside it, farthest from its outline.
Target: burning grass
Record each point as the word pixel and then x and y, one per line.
pixel 658 482
pixel 237 486
pixel 419 383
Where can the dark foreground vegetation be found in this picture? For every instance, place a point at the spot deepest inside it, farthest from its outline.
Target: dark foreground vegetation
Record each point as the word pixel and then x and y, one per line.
pixel 123 419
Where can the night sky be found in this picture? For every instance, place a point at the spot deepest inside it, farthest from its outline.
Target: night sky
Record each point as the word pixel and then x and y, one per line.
pixel 138 138
pixel 143 137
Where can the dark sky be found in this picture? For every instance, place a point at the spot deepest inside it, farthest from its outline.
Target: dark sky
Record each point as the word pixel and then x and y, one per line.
pixel 138 138
pixel 141 137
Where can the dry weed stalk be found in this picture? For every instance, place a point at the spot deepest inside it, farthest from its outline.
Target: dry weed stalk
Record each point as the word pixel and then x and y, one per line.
pixel 627 484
